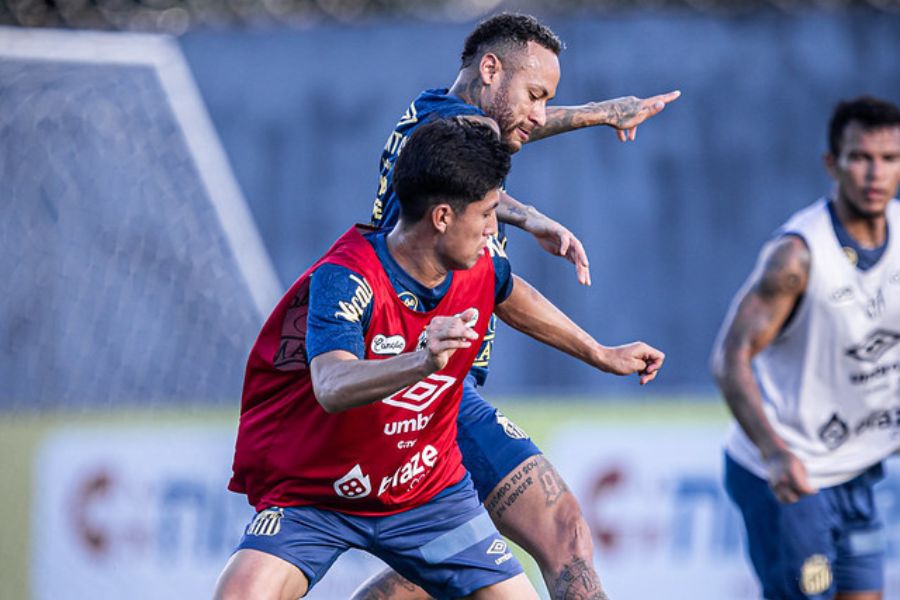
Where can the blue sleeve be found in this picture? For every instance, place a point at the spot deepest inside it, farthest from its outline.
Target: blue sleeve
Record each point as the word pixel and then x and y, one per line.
pixel 340 308
pixel 503 280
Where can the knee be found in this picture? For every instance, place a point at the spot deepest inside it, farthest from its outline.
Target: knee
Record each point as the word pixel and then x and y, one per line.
pixel 252 574
pixel 572 531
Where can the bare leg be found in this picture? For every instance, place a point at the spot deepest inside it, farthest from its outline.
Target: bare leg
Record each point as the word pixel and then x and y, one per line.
pixel 389 585
pixel 261 576
pixel 876 595
pixel 515 588
pixel 533 507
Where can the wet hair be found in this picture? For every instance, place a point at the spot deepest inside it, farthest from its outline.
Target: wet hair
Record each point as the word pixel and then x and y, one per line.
pixel 454 161
pixel 871 113
pixel 501 33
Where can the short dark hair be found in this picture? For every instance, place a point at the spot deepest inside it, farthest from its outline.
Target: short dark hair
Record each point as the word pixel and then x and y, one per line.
pixel 454 160
pixel 506 30
pixel 869 112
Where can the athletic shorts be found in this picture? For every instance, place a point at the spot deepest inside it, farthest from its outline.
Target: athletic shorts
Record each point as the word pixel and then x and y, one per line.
pixel 827 542
pixel 449 545
pixel 491 445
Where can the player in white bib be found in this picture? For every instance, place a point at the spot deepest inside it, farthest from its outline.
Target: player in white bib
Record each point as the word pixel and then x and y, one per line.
pixel 808 360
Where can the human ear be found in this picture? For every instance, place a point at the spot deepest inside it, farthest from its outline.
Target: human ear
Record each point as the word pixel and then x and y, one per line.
pixel 441 217
pixel 490 68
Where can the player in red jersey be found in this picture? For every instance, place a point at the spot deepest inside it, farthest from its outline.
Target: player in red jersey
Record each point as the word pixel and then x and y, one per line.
pixel 356 447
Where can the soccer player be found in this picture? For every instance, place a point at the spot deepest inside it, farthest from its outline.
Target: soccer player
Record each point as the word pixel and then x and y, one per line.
pixel 347 436
pixel 509 72
pixel 808 360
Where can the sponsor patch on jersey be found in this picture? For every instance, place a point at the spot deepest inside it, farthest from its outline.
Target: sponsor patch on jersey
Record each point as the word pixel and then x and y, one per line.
pixel 413 425
pixel 352 310
pixel 499 547
pixel 421 394
pixel 874 346
pixel 354 484
pixel 842 295
pixel 834 433
pixel 409 300
pixel 411 473
pixel 388 345
pixel 815 575
pixel 509 428
pixel 266 522
pixel 496 247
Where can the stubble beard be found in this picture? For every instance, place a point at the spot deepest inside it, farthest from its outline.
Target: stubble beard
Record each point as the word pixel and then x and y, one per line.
pixel 503 115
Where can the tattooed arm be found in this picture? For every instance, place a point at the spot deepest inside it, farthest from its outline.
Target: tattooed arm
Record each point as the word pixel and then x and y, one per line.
pixel 551 235
pixel 623 114
pixel 527 311
pixel 762 308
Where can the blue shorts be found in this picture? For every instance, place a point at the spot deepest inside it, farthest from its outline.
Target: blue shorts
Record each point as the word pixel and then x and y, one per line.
pixel 827 542
pixel 449 545
pixel 491 445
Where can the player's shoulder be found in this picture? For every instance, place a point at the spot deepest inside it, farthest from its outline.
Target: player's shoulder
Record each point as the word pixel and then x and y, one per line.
pixel 439 102
pixel 811 217
pixel 339 282
pixel 786 264
pixel 893 210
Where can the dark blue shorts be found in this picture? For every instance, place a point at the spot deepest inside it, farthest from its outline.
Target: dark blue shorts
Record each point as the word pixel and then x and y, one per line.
pixel 827 542
pixel 449 546
pixel 491 445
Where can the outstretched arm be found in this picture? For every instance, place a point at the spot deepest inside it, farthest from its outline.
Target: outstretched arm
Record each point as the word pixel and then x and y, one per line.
pixel 762 308
pixel 529 312
pixel 341 380
pixel 622 114
pixel 552 236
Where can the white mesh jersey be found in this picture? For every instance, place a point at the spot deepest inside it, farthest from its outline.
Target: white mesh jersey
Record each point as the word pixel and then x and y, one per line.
pixel 830 381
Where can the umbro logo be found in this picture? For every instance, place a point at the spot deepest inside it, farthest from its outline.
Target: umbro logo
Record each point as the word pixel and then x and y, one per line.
pixel 500 549
pixel 834 433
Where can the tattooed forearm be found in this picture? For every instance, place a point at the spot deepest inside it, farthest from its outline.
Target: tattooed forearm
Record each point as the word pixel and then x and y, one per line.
pixel 619 113
pixel 578 581
pixel 511 211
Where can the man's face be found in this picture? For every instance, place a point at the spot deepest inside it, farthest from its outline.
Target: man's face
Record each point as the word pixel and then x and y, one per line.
pixel 867 170
pixel 467 235
pixel 517 100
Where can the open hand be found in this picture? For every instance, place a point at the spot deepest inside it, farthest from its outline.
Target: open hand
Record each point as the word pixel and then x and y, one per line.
pixel 629 112
pixel 559 241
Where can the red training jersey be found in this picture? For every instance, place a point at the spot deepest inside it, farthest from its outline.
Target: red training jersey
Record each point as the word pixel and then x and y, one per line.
pixel 379 459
